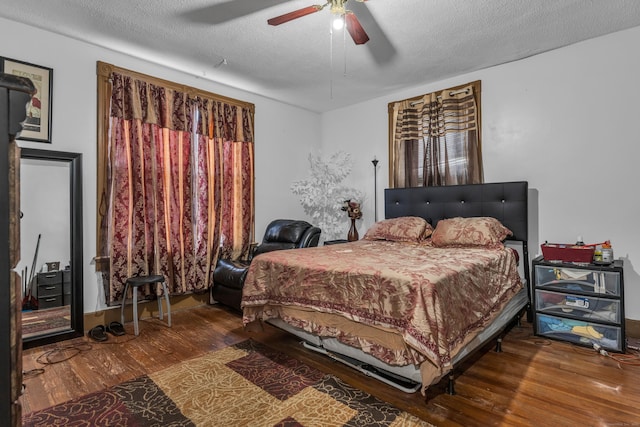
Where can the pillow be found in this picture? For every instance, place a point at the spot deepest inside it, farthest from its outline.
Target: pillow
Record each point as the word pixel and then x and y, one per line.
pixel 401 229
pixel 469 232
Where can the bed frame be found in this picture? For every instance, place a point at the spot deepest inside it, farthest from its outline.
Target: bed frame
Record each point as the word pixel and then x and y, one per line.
pixel 506 201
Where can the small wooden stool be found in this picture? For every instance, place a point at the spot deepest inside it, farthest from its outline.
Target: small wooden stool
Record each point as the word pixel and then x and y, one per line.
pixel 134 283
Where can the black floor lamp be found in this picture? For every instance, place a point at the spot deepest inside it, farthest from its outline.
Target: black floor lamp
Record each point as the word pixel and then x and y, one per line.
pixel 375 188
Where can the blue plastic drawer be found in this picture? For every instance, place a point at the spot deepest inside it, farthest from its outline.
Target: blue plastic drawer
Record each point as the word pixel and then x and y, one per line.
pixel 579 332
pixel 583 307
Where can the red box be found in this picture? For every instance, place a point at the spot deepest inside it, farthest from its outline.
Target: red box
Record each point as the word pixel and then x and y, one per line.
pixel 567 252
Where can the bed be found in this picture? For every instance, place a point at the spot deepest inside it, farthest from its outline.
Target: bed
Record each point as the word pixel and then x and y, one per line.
pixel 405 304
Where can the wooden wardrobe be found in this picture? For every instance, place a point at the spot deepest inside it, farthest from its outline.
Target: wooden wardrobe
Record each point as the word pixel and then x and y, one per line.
pixel 15 93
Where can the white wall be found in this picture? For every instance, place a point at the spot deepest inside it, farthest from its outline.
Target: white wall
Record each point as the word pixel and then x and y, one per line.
pixel 566 121
pixel 281 150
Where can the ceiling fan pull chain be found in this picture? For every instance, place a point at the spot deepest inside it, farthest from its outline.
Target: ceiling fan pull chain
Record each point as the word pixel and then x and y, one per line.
pixel 344 47
pixel 331 59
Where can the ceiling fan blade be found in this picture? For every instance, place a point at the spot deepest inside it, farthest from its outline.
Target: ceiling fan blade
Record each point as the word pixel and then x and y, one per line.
pixel 293 15
pixel 356 31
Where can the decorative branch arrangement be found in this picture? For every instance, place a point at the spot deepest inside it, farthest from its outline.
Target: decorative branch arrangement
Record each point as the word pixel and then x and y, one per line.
pixel 352 208
pixel 323 195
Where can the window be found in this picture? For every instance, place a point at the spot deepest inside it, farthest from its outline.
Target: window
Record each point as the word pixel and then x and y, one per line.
pixel 434 139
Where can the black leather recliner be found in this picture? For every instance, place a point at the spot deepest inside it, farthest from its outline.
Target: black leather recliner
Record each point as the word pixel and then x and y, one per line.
pixel 228 276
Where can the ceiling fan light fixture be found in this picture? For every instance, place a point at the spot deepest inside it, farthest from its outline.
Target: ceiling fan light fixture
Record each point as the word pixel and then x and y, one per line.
pixel 338 22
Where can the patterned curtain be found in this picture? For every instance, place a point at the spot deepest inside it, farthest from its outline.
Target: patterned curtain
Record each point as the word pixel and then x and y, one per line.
pixel 232 135
pixel 179 178
pixel 435 140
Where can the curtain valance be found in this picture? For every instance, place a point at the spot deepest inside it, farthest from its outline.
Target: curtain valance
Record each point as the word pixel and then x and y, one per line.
pixel 135 99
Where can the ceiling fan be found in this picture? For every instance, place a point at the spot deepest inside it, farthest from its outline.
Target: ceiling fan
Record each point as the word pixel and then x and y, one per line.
pixel 338 9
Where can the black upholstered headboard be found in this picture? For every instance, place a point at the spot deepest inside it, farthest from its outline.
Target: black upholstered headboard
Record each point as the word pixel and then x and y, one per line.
pixel 506 201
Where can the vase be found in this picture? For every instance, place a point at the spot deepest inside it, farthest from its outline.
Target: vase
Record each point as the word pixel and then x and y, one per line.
pixel 353 232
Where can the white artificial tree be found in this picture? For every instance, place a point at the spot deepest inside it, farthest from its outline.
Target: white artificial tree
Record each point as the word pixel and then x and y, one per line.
pixel 323 195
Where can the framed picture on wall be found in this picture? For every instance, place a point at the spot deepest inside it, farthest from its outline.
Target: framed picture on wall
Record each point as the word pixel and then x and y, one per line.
pixel 37 126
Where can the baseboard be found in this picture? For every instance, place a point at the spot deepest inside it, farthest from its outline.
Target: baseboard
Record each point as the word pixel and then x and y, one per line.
pixel 632 328
pixel 145 310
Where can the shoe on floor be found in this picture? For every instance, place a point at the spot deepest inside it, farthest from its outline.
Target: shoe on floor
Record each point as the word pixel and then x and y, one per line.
pixel 116 328
pixel 97 333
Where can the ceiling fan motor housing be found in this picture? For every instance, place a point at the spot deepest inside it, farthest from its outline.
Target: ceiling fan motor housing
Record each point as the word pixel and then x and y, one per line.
pixel 337 7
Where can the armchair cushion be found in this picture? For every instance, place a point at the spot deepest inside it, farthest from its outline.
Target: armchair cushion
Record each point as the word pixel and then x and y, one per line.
pixel 285 231
pixel 273 246
pixel 230 273
pixel 288 231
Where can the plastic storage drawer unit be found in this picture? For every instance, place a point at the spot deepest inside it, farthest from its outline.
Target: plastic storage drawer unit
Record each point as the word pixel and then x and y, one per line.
pixel 581 304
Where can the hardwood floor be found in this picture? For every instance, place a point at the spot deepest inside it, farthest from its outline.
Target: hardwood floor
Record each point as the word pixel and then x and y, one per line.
pixel 532 382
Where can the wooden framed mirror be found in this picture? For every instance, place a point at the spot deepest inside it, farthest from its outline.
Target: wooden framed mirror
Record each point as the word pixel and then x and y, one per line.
pixel 51 246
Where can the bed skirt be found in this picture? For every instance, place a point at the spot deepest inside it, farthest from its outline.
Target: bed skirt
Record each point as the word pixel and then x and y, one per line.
pixel 408 378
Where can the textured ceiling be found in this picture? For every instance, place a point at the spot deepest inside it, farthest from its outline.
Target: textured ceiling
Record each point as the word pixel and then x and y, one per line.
pixel 412 42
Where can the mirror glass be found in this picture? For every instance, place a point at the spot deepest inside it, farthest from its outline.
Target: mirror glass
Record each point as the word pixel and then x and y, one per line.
pixel 50 246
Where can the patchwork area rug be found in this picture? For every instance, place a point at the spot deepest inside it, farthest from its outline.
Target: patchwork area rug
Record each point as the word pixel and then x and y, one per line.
pixel 247 384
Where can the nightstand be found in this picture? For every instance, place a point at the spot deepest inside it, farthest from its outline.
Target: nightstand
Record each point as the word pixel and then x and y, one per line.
pixel 580 303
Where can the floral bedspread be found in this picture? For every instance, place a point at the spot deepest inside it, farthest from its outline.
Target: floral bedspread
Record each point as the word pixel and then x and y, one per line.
pixel 434 298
